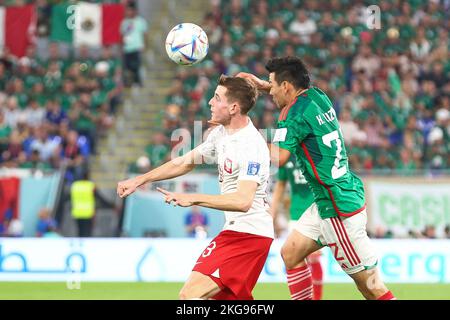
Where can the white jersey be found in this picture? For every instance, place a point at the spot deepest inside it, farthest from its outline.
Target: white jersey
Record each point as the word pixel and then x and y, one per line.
pixel 242 155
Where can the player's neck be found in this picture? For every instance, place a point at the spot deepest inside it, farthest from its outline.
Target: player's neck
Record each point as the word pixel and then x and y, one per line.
pixel 295 94
pixel 236 124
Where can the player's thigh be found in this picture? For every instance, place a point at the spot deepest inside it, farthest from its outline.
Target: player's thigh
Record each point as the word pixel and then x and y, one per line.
pixel 199 286
pixel 297 247
pixel 304 236
pixel 349 242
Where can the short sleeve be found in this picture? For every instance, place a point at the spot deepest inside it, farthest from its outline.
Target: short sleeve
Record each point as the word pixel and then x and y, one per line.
pixel 253 161
pixel 208 148
pixel 290 134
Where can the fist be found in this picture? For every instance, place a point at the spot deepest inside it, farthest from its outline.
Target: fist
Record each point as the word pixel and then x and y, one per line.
pixel 126 187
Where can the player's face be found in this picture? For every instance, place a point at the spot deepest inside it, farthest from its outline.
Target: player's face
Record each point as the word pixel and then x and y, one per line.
pixel 220 106
pixel 277 92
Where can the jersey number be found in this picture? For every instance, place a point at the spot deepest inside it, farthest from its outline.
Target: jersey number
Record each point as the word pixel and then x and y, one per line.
pixel 209 249
pixel 336 171
pixel 299 178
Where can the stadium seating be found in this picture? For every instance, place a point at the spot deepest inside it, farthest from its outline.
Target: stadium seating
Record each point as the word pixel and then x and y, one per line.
pixel 390 86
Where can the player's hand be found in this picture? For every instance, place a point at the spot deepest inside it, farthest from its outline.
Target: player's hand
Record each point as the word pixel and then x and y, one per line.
pixel 257 82
pixel 178 199
pixel 126 187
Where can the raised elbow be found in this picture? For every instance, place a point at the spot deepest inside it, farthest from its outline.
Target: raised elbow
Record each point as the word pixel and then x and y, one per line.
pixel 244 205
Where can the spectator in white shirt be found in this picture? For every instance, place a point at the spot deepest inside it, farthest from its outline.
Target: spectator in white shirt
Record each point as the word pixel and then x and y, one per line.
pixel 35 114
pixel 303 26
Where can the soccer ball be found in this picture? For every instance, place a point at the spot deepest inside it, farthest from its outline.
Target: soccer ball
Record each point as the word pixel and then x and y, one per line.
pixel 186 44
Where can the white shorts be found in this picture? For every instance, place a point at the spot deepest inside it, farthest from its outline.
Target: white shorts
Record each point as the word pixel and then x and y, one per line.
pixel 345 236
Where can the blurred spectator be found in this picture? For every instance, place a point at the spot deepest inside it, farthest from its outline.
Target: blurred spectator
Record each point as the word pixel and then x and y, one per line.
pixel 141 166
pixel 42 142
pixel 447 231
pixel 348 126
pixel 35 163
pixel 12 113
pixel 75 151
pixel 366 61
pixel 34 114
pixel 158 151
pixel 196 223
pixel 134 31
pixel 15 228
pixel 14 150
pixel 303 27
pixel 46 224
pixel 414 234
pixel 381 233
pixel 5 131
pixel 55 115
pixel 429 232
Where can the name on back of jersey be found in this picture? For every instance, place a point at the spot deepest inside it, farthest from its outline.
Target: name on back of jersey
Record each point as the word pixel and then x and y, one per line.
pixel 329 116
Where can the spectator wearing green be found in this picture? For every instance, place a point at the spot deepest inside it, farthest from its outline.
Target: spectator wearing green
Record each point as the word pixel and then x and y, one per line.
pixel 68 96
pixel 35 162
pixel 5 131
pixel 158 151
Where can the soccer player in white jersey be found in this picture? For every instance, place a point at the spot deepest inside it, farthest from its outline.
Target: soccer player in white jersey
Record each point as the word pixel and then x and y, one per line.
pixel 231 264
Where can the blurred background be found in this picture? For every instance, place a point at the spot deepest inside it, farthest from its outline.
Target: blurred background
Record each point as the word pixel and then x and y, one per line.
pixel 88 100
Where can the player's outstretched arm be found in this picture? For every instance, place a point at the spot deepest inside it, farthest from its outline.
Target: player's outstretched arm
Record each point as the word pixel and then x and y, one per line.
pixel 240 201
pixel 171 169
pixel 260 84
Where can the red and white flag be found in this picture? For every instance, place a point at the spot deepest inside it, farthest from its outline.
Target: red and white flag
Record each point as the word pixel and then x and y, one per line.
pixel 17 27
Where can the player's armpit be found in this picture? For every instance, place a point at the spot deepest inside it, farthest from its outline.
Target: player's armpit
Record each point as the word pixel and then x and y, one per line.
pixel 279 156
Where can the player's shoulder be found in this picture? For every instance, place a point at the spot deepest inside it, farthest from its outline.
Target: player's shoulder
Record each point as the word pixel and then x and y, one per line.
pixel 215 132
pixel 254 137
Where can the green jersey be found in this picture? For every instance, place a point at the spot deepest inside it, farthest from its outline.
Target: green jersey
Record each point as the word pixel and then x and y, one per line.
pixel 301 195
pixel 309 129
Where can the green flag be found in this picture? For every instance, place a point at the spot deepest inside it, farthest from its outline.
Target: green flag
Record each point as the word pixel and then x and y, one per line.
pixel 63 17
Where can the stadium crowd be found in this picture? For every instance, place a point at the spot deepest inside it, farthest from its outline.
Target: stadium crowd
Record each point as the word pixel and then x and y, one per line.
pixel 54 104
pixel 390 85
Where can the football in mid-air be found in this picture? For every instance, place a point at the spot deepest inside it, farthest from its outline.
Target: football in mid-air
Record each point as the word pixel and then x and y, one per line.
pixel 186 44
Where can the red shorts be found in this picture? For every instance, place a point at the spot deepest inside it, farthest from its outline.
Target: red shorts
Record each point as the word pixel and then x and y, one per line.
pixel 234 260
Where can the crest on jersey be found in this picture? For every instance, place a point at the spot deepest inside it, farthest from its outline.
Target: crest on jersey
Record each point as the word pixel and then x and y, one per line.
pixel 228 166
pixel 253 168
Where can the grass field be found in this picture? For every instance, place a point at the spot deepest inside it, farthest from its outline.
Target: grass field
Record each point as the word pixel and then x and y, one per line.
pixel 169 291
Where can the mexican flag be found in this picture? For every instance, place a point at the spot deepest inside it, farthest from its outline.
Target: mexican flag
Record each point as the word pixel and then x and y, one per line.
pixel 17 27
pixel 87 23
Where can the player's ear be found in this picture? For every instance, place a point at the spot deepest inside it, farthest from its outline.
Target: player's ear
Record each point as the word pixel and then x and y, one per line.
pixel 234 108
pixel 285 86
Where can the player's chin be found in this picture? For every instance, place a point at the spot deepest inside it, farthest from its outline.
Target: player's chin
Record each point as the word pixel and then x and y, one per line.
pixel 214 119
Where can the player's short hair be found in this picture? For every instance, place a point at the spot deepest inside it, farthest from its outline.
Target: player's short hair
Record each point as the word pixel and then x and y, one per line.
pixel 239 90
pixel 290 69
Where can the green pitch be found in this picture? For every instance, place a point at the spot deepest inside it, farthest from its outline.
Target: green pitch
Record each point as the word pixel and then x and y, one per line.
pixel 163 291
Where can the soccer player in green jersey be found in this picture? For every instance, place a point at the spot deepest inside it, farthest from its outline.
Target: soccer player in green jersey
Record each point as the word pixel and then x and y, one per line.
pixel 301 199
pixel 309 129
